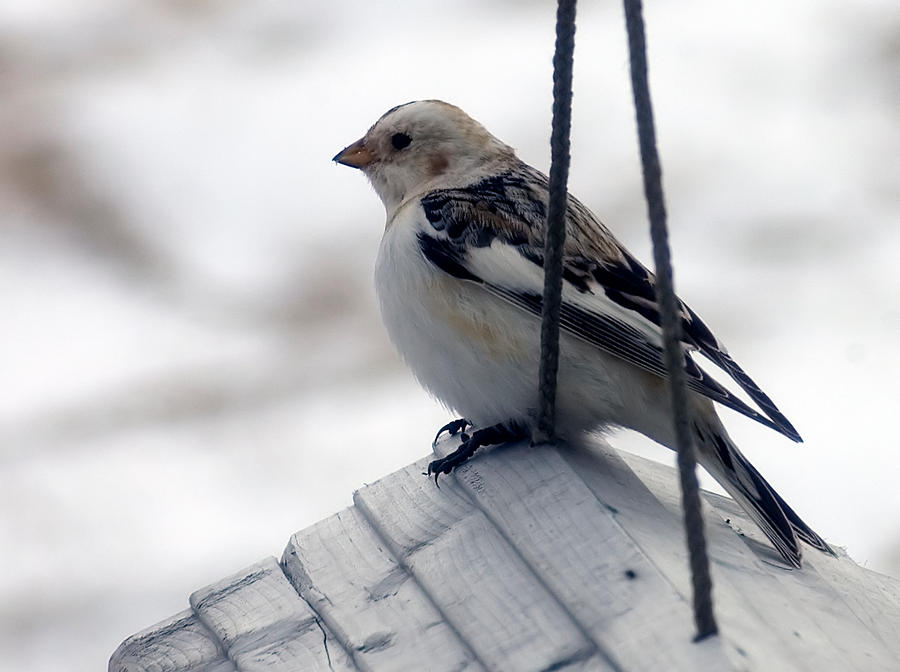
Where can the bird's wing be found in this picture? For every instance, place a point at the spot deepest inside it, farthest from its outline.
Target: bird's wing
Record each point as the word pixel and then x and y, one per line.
pixel 491 233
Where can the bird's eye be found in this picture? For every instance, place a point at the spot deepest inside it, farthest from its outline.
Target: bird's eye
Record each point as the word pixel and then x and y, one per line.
pixel 400 140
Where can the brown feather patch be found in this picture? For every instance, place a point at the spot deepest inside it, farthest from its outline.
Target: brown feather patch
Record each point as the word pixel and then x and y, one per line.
pixel 437 164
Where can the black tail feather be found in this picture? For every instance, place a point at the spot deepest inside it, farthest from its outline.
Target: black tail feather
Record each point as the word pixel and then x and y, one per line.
pixel 778 521
pixel 802 530
pixel 782 424
pixel 767 513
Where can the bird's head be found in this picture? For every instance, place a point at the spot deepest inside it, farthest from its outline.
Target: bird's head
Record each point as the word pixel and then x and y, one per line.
pixel 422 145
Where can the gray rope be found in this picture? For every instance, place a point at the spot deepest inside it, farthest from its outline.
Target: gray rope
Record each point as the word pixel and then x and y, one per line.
pixel 671 324
pixel 555 233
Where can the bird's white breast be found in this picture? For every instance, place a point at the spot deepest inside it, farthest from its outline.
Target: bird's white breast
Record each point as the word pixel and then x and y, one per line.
pixel 474 352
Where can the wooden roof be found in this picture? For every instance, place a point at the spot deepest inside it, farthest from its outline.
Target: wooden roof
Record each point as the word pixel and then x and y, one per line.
pixel 528 558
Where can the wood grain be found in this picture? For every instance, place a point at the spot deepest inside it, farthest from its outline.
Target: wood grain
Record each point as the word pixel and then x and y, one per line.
pixel 369 600
pixel 174 645
pixel 264 624
pixel 572 541
pixel 799 608
pixel 659 531
pixel 857 622
pixel 482 586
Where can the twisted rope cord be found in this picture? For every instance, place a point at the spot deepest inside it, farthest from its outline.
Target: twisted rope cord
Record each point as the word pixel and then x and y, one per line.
pixel 670 323
pixel 555 233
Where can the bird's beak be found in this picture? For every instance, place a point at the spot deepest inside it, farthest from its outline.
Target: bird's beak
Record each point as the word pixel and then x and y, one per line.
pixel 356 155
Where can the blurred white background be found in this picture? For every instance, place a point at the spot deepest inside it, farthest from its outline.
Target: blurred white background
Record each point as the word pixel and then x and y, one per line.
pixel 193 365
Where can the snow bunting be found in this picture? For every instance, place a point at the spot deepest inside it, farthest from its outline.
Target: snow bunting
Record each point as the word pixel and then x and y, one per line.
pixel 460 277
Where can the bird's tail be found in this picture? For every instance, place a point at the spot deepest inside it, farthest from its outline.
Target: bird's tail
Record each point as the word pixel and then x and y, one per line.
pixel 718 454
pixel 802 530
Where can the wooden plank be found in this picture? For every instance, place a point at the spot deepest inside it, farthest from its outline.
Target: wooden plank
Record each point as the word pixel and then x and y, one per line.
pixel 582 554
pixel 867 596
pixel 802 609
pixel 747 635
pixel 887 599
pixel 850 604
pixel 521 558
pixel 178 644
pixel 369 601
pixel 480 584
pixel 264 624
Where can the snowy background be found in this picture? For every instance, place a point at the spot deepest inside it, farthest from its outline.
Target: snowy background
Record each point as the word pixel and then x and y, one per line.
pixel 192 362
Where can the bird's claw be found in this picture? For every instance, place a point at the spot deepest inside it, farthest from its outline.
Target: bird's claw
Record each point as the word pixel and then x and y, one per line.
pixel 443 466
pixel 488 436
pixel 452 428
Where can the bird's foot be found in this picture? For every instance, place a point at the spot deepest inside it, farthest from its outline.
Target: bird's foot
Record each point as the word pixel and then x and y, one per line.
pixel 489 436
pixel 452 428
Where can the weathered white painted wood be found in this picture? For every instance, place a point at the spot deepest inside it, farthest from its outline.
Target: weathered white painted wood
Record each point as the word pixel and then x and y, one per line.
pixel 264 624
pixel 369 601
pixel 887 599
pixel 746 633
pixel 869 596
pixel 859 610
pixel 801 607
pixel 479 582
pixel 517 563
pixel 179 644
pixel 884 591
pixel 596 570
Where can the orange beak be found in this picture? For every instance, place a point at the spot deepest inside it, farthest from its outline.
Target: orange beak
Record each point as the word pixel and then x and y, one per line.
pixel 356 155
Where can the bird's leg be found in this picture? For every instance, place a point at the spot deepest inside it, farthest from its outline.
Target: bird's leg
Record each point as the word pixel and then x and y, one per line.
pixel 453 428
pixel 489 436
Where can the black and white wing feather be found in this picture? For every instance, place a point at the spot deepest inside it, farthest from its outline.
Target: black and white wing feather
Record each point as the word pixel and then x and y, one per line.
pixel 491 233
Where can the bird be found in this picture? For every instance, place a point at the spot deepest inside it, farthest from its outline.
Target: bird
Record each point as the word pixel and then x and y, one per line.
pixel 459 278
